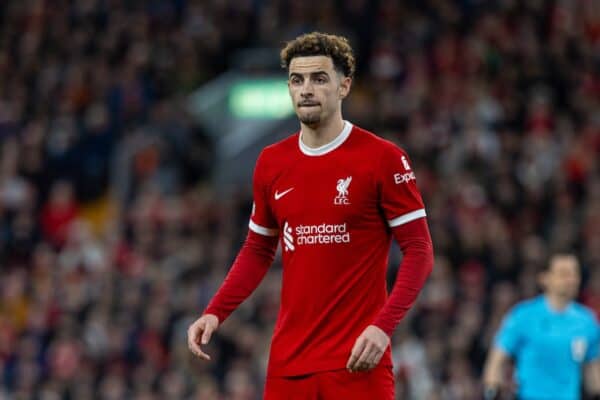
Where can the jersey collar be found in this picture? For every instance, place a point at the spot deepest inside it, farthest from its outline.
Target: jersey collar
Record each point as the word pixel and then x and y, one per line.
pixel 326 148
pixel 553 310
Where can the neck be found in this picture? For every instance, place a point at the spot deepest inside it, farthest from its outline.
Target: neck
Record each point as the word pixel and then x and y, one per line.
pixel 319 135
pixel 558 303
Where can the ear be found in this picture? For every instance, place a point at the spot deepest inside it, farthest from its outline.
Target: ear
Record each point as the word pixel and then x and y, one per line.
pixel 345 84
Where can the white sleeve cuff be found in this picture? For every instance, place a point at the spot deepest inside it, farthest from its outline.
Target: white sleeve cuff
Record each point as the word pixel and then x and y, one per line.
pixel 403 219
pixel 262 230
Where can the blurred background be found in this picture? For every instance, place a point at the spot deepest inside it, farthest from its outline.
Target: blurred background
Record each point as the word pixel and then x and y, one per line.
pixel 128 133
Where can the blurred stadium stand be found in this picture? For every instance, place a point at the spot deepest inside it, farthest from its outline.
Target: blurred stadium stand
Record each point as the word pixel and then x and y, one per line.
pixel 124 195
pixel 243 112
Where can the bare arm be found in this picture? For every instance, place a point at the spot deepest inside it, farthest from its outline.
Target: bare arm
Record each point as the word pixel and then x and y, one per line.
pixel 592 377
pixel 494 370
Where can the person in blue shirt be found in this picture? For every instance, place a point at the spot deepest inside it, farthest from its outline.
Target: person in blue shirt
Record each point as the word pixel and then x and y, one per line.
pixel 553 341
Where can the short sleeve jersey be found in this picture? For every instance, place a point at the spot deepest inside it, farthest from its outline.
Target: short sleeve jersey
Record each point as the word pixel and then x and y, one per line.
pixel 549 347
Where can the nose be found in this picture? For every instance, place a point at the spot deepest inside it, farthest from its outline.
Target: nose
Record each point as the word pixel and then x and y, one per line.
pixel 307 89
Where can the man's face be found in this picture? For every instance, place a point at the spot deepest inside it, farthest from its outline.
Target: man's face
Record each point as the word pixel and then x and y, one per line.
pixel 562 277
pixel 316 88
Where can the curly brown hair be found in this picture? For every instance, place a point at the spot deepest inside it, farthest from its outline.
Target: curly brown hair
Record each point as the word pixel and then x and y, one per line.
pixel 321 44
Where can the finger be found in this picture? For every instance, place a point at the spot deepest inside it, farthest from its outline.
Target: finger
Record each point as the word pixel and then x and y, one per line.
pixel 373 358
pixel 195 348
pixel 365 359
pixel 191 337
pixel 377 357
pixel 366 354
pixel 360 363
pixel 374 354
pixel 351 361
pixel 368 359
pixel 198 328
pixel 359 345
pixel 193 345
pixel 208 331
pixel 358 367
pixel 363 367
pixel 198 351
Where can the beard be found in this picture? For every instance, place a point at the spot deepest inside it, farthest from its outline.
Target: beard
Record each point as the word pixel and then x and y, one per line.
pixel 309 117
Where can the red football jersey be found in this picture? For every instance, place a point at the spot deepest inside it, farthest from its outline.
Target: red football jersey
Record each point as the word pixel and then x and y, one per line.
pixel 332 207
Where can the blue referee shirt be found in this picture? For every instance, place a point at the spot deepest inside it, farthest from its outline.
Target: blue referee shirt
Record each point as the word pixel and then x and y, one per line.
pixel 549 347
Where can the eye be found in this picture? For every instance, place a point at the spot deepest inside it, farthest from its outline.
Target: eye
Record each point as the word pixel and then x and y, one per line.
pixel 321 80
pixel 295 80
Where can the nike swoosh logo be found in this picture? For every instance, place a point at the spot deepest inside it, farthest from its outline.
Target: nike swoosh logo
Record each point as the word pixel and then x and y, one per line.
pixel 280 195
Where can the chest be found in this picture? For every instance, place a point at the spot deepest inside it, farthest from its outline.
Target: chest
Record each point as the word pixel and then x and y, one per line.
pixel 568 337
pixel 325 191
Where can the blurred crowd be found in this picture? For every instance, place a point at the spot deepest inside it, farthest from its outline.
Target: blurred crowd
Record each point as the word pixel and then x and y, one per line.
pixel 112 239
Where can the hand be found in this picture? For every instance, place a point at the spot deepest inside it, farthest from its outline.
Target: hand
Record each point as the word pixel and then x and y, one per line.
pixel 200 332
pixel 368 349
pixel 491 393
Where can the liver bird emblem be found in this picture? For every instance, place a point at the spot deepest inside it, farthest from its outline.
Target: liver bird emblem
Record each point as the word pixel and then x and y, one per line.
pixel 342 186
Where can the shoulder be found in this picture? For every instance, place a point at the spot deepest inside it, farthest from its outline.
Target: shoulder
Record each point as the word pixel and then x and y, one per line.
pixel 526 308
pixel 277 153
pixel 281 148
pixel 585 313
pixel 384 155
pixel 375 142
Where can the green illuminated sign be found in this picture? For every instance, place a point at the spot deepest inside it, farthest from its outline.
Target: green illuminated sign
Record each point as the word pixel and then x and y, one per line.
pixel 260 99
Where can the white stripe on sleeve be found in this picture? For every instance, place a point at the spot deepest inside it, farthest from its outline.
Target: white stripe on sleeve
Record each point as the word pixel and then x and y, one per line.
pixel 403 219
pixel 262 230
